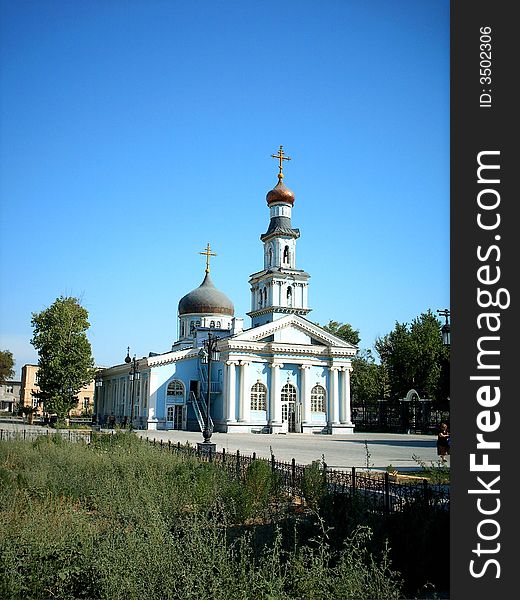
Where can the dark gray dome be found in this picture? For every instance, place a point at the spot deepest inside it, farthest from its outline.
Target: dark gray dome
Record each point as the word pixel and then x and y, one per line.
pixel 206 299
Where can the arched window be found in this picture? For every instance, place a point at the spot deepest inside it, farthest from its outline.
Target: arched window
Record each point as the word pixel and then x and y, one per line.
pixel 318 399
pixel 289 296
pixel 288 393
pixel 218 324
pixel 211 324
pixel 286 254
pixel 270 257
pixel 175 389
pixel 258 396
pixel 265 296
pixel 260 298
pixel 182 329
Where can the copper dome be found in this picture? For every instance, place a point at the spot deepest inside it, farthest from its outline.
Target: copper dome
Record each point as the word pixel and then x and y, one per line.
pixel 280 193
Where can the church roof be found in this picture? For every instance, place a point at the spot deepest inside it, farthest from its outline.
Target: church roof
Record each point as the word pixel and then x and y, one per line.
pixel 206 299
pixel 317 332
pixel 280 226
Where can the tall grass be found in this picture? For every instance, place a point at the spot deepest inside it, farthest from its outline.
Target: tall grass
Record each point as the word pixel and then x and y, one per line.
pixel 121 519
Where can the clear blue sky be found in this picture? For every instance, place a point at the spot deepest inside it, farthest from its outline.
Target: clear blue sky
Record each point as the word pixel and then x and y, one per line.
pixel 133 132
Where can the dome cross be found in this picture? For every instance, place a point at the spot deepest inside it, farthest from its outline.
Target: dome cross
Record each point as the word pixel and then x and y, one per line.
pixel 208 253
pixel 281 157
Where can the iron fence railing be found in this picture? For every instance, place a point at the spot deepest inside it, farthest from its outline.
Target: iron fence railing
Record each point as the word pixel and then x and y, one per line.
pixel 381 492
pixel 410 417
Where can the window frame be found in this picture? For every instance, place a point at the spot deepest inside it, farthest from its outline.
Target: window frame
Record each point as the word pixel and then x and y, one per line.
pixel 318 399
pixel 258 396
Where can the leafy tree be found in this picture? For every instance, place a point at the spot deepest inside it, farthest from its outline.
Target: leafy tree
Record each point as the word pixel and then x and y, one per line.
pixel 414 356
pixel 369 380
pixel 6 366
pixel 64 354
pixel 345 331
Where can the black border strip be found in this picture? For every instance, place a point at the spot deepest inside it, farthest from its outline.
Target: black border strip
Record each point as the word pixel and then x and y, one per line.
pixel 478 125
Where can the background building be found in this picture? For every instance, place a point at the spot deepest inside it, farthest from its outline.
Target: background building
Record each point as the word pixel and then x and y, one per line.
pixel 30 389
pixel 9 396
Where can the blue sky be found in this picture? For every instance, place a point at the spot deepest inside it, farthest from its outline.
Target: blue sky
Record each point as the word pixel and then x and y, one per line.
pixel 133 132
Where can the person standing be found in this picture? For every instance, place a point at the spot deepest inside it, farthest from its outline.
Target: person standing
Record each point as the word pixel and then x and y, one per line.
pixel 443 441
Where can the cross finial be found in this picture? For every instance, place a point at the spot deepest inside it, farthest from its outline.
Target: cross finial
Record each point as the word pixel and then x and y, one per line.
pixel 208 253
pixel 281 157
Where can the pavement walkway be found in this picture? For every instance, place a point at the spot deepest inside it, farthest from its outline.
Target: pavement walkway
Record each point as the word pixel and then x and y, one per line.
pixel 376 450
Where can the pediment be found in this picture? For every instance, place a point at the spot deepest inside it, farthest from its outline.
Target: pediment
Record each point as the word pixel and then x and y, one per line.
pixel 292 329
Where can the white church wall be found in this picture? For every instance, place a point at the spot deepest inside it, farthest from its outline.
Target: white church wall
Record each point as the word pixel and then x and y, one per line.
pixel 184 371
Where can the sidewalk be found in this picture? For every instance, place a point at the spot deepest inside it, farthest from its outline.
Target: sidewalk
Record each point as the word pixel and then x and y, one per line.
pixel 338 451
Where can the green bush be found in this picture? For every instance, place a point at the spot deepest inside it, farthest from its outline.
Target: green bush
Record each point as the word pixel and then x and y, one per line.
pixel 314 485
pixel 261 485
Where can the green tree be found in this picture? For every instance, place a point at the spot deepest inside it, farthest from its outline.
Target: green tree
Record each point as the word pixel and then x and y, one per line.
pixel 345 331
pixel 6 366
pixel 414 356
pixel 369 380
pixel 64 354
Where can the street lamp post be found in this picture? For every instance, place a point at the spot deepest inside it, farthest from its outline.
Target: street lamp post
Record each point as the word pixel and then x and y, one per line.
pixel 97 403
pixel 445 329
pixel 207 354
pixel 134 376
pixel 446 340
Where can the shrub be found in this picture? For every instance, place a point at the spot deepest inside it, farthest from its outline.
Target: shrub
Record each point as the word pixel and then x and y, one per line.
pixel 261 484
pixel 314 485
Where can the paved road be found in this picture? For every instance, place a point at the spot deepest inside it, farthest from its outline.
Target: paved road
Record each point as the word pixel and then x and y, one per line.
pixel 339 451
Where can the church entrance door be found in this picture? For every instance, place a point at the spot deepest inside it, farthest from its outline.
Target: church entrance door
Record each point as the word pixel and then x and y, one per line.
pixel 175 416
pixel 289 416
pixel 289 408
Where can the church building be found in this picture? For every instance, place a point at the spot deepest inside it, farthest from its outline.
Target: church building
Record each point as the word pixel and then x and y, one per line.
pixel 283 374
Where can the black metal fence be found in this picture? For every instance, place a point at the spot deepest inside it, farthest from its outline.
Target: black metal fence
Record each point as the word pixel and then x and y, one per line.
pixel 380 491
pixel 402 417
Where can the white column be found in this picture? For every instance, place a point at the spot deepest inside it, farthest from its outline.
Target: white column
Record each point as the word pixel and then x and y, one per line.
pixel 305 394
pixel 153 385
pixel 345 400
pixel 244 403
pixel 230 391
pixel 274 394
pixel 276 291
pixel 333 395
pixel 342 396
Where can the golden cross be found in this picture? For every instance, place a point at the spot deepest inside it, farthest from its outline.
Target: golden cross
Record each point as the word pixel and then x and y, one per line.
pixel 281 157
pixel 208 253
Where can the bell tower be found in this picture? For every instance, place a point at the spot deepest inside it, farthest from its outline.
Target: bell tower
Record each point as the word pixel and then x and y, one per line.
pixel 280 288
